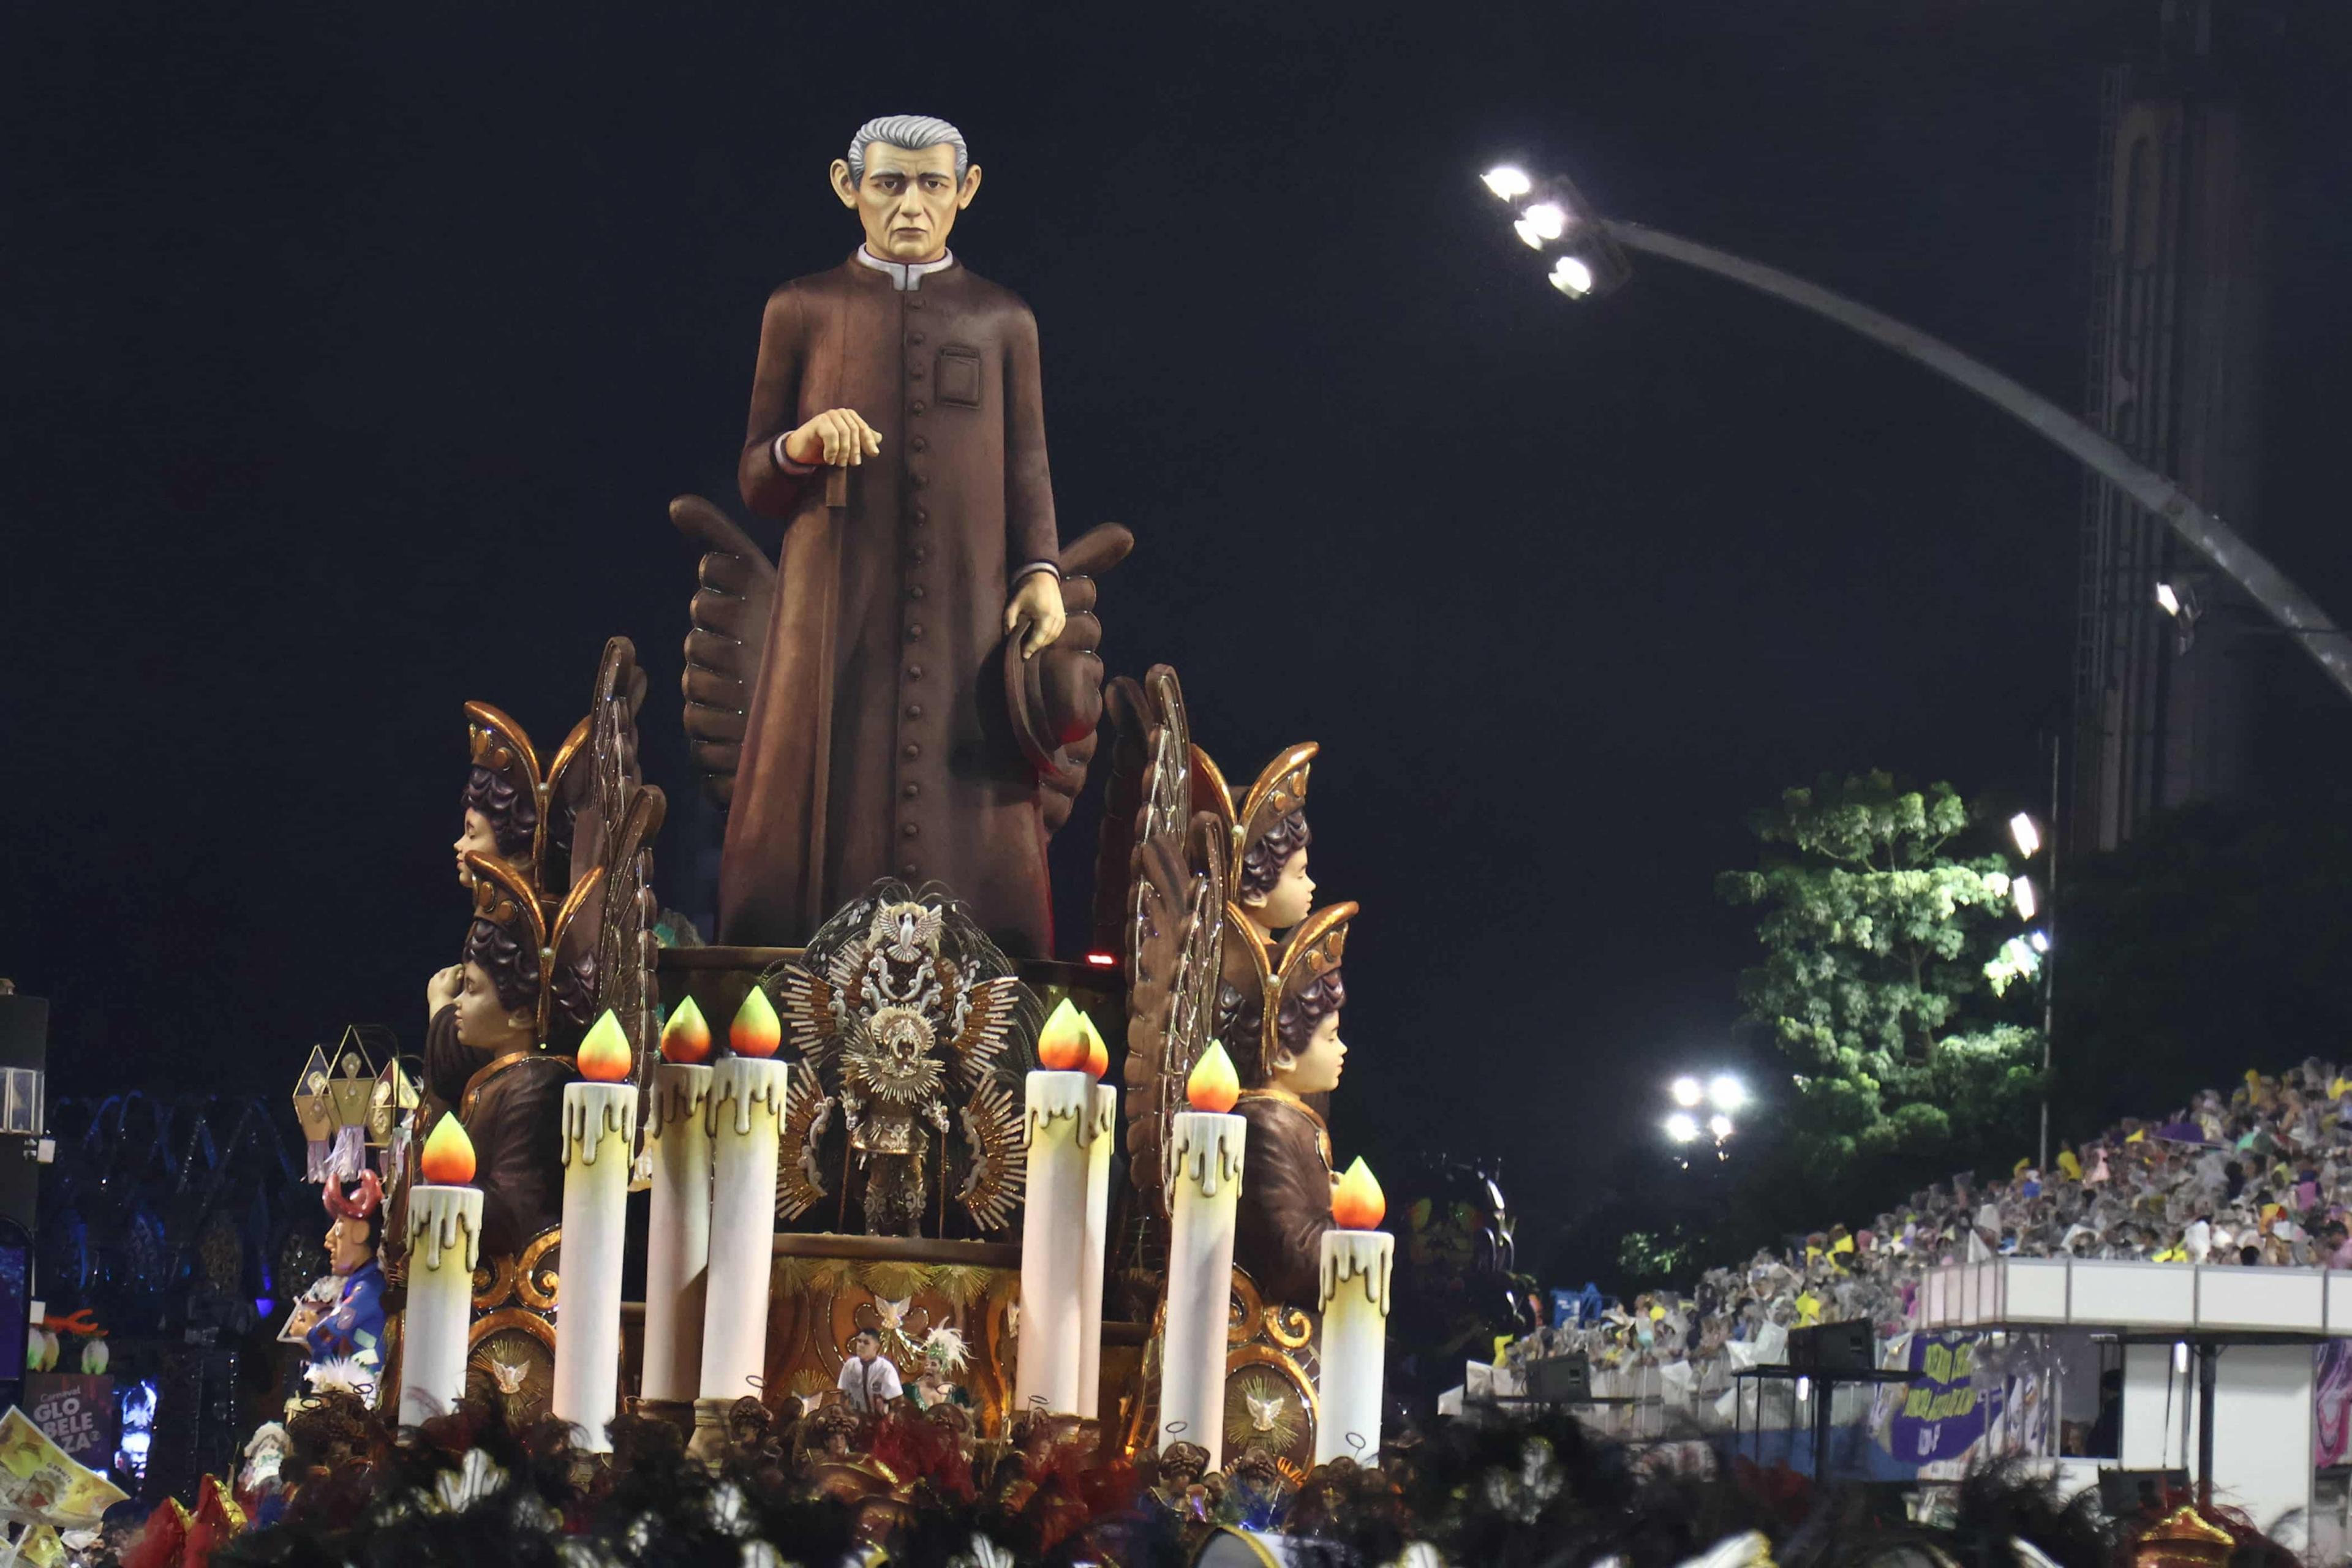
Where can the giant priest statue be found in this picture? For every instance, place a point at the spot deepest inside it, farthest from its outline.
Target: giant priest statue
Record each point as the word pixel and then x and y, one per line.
pixel 898 428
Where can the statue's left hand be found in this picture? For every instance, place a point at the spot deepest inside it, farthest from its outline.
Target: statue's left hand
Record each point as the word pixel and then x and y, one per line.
pixel 1035 614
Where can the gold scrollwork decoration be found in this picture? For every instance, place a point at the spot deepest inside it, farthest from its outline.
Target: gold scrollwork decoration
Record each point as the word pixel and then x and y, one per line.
pixel 1288 1326
pixel 494 1281
pixel 520 1318
pixel 538 1279
pixel 1248 1308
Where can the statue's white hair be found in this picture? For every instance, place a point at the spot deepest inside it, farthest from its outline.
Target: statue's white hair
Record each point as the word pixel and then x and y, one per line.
pixel 912 131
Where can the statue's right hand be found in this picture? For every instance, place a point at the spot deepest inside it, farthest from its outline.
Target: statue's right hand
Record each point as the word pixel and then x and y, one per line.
pixel 838 437
pixel 443 988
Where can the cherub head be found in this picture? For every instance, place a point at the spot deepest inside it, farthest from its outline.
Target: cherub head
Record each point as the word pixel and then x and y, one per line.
pixel 1274 888
pixel 499 819
pixel 907 177
pixel 1181 1464
pixel 1307 1051
pixel 499 998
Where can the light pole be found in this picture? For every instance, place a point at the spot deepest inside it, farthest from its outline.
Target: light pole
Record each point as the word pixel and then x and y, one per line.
pixel 1588 252
pixel 2026 833
pixel 1720 1097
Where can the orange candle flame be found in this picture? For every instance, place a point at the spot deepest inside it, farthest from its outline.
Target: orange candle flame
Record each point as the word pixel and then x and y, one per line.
pixel 604 1054
pixel 1062 1045
pixel 1213 1086
pixel 686 1038
pixel 1357 1201
pixel 1098 1054
pixel 756 1031
pixel 448 1158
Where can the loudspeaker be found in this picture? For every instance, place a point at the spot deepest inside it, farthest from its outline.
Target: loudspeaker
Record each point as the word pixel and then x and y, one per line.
pixel 1561 1379
pixel 2123 1493
pixel 1830 1349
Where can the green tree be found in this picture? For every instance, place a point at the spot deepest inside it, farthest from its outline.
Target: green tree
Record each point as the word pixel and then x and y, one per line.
pixel 1890 959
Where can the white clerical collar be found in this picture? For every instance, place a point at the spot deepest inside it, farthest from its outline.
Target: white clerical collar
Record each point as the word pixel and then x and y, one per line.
pixel 906 275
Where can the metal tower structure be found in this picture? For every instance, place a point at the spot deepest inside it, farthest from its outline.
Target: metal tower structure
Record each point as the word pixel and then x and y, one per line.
pixel 2175 378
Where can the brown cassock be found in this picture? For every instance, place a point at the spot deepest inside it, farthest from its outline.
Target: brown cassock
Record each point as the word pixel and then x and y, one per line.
pixel 878 743
pixel 512 1110
pixel 1285 1202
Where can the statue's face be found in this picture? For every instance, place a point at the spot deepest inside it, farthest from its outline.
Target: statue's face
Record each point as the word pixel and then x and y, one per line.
pixel 1316 1070
pixel 478 839
pixel 1288 900
pixel 907 200
pixel 348 1249
pixel 482 1024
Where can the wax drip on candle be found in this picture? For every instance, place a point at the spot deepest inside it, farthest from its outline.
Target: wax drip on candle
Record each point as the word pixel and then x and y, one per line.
pixel 1098 1054
pixel 448 1157
pixel 1062 1045
pixel 686 1038
pixel 1357 1201
pixel 1213 1086
pixel 756 1031
pixel 604 1054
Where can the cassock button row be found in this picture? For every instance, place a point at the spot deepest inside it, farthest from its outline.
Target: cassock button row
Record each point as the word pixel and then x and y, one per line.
pixel 918 406
pixel 914 710
pixel 922 516
pixel 920 444
pixel 922 480
pixel 910 870
pixel 915 632
pixel 916 371
pixel 912 751
pixel 914 672
pixel 914 337
pixel 909 829
pixel 919 555
pixel 913 790
pixel 915 590
pixel 914 301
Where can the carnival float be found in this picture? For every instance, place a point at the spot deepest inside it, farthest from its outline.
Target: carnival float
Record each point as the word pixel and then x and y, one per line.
pixel 871 1150
pixel 869 1229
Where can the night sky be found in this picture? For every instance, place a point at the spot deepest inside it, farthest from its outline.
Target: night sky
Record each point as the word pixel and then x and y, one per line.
pixel 351 355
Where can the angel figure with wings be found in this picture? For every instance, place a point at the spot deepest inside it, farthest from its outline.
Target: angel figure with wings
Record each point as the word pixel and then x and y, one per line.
pixel 913 1027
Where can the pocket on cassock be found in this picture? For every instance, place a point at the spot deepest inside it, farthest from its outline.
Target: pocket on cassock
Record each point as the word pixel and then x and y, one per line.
pixel 958 373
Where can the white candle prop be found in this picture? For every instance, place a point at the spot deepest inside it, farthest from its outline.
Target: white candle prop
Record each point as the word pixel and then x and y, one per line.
pixel 1053 1241
pixel 444 1235
pixel 1061 1132
pixel 745 1117
pixel 1093 1258
pixel 600 1133
pixel 1206 1182
pixel 1357 1260
pixel 678 1234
